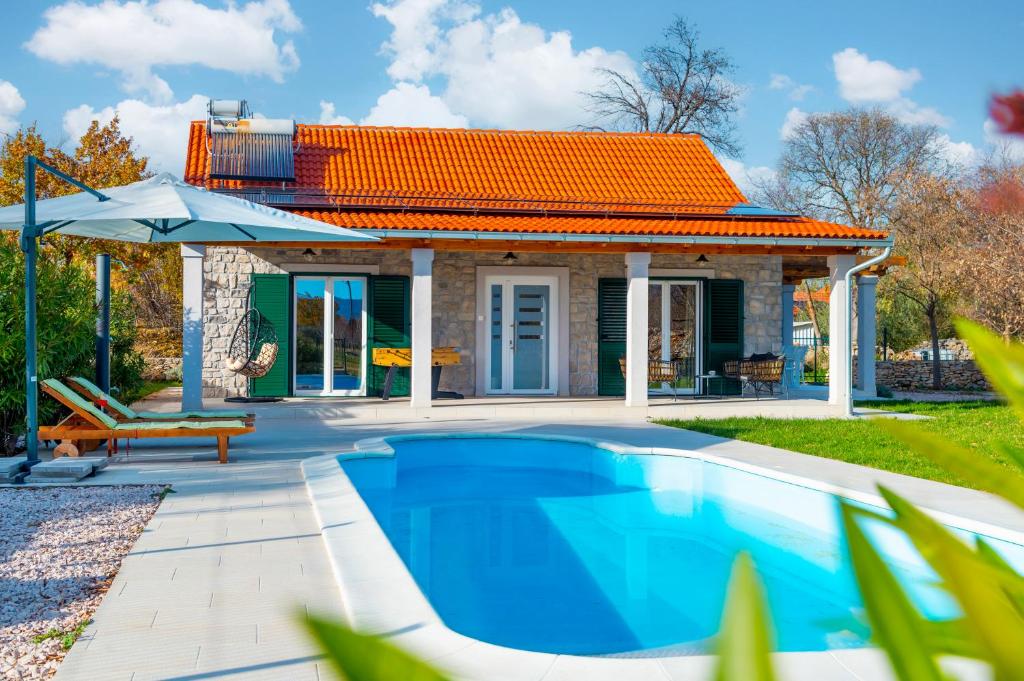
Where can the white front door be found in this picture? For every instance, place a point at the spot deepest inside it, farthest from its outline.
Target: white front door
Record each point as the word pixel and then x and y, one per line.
pixel 329 354
pixel 522 347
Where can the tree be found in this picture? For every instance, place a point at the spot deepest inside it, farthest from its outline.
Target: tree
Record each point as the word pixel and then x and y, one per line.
pixel 929 214
pixel 991 249
pixel 855 167
pixel 851 166
pixel 681 88
pixel 104 157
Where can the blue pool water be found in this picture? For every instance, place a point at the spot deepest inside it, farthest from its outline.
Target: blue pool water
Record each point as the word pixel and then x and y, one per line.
pixel 563 547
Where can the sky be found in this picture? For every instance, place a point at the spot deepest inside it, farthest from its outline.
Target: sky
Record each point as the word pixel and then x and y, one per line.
pixel 520 64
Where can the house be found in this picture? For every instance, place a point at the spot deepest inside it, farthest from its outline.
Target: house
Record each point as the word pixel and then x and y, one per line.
pixel 543 257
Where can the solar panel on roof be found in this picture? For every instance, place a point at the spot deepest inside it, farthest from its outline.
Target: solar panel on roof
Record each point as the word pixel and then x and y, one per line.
pixel 749 209
pixel 252 149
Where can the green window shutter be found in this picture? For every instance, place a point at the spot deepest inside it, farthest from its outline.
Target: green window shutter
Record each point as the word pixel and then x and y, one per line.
pixel 271 296
pixel 389 313
pixel 723 323
pixel 611 335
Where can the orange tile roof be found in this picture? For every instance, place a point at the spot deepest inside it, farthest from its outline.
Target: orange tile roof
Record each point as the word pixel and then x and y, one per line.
pixel 512 181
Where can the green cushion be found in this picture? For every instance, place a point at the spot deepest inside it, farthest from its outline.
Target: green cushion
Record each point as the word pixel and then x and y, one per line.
pixel 130 413
pixel 186 425
pixel 111 401
pixel 198 414
pixel 84 405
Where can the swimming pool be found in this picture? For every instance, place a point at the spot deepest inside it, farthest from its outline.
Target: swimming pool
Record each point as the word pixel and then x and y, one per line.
pixel 566 546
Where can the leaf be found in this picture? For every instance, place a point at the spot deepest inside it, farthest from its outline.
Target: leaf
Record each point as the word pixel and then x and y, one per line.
pixel 744 645
pixel 996 560
pixel 980 471
pixel 361 657
pixel 896 624
pixel 978 587
pixel 1014 454
pixel 951 637
pixel 1002 363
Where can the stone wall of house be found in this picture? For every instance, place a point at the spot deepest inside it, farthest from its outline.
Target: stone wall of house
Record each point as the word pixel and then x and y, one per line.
pixel 228 273
pixel 917 375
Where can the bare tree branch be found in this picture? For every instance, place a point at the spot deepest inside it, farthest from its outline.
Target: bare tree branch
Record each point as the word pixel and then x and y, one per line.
pixel 681 88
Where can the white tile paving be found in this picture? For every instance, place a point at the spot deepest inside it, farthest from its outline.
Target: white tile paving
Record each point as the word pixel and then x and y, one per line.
pixel 214 585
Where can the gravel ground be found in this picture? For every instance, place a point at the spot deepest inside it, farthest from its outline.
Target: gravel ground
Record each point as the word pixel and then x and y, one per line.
pixel 60 547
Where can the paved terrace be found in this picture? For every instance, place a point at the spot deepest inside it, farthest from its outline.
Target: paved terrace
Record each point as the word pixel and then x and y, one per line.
pixel 806 402
pixel 214 585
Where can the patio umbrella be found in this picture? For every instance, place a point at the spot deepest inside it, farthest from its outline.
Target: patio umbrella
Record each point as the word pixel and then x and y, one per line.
pixel 161 209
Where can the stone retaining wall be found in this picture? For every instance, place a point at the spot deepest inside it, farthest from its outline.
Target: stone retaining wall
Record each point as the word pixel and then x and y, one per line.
pixel 917 375
pixel 228 270
pixel 162 368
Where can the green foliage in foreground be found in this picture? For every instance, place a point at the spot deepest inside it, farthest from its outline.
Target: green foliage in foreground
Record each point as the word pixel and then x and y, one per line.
pixel 360 657
pixel 989 592
pixel 982 427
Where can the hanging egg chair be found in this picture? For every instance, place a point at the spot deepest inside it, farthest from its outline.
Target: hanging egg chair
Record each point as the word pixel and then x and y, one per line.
pixel 254 344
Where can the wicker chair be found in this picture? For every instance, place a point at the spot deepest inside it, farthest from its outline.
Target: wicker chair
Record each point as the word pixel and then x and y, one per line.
pixel 662 371
pixel 760 372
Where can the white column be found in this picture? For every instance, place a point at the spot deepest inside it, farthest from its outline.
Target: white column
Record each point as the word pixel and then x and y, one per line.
pixel 192 326
pixel 787 317
pixel 422 293
pixel 839 379
pixel 866 334
pixel 637 293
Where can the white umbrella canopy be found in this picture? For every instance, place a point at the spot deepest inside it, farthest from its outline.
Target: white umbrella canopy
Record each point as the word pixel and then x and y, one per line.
pixel 164 209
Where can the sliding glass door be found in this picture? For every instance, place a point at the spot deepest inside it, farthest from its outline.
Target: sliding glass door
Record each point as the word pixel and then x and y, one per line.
pixel 673 332
pixel 330 335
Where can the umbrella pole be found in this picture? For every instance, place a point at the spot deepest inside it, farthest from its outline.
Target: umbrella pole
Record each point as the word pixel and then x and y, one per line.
pixel 103 322
pixel 29 245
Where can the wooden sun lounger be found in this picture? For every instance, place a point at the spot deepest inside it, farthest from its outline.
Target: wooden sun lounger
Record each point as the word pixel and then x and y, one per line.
pixel 86 422
pixel 121 412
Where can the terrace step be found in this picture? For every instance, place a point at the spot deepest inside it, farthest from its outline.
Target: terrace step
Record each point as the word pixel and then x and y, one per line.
pixel 66 469
pixel 10 467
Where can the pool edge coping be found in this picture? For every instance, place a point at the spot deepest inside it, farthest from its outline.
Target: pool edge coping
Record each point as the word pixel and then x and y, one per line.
pixel 415 625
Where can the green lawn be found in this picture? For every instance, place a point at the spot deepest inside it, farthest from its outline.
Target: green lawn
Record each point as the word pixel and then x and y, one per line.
pixel 150 387
pixel 975 424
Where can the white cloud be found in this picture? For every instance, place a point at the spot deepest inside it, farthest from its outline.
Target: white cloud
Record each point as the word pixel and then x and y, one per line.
pixel 794 117
pixel 11 106
pixel 912 113
pixel 1010 146
pixel 496 69
pixel 957 153
pixel 328 116
pixel 867 81
pixel 134 37
pixel 746 177
pixel 796 91
pixel 864 80
pixel 409 104
pixel 158 131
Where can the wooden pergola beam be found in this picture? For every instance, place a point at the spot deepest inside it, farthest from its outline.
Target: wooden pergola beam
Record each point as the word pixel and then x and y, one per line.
pixel 515 245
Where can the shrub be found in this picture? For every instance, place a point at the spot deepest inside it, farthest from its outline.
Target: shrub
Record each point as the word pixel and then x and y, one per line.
pixel 66 328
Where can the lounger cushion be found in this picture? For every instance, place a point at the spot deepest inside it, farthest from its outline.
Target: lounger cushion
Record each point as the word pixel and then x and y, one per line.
pixel 198 414
pixel 183 425
pixel 84 405
pixel 130 413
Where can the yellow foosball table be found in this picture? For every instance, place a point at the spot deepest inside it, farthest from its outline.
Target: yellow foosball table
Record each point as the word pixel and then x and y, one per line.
pixel 397 358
